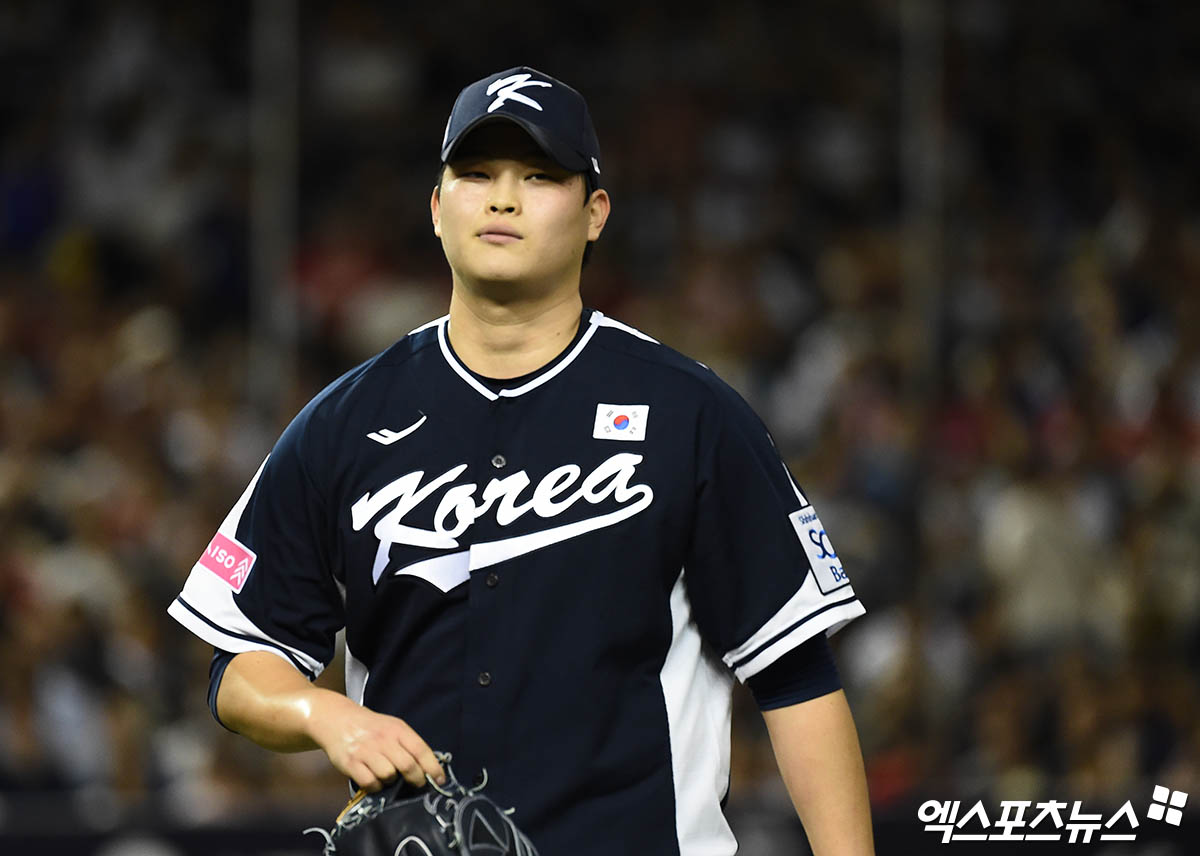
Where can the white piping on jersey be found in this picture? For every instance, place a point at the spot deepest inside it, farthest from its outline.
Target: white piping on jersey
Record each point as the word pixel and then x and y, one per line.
pixel 217 636
pixel 795 487
pixel 806 614
pixel 213 596
pixel 604 321
pixel 229 525
pixel 697 694
pixel 356 677
pixel 428 324
pixel 458 367
pixel 597 319
pixel 462 372
pixel 827 619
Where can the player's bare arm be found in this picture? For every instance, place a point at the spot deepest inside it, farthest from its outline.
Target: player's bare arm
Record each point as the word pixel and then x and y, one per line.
pixel 816 746
pixel 267 700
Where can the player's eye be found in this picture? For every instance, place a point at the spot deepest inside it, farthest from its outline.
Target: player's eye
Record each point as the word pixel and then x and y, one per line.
pixel 472 174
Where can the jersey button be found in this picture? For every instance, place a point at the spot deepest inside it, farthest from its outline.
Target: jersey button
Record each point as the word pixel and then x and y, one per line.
pixel 485 678
pixel 499 461
pixel 492 580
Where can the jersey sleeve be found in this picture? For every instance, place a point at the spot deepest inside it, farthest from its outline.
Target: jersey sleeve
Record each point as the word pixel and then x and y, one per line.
pixel 761 573
pixel 264 583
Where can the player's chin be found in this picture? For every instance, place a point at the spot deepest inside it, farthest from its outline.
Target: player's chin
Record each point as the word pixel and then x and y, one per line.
pixel 513 272
pixel 502 268
pixel 499 274
pixel 482 256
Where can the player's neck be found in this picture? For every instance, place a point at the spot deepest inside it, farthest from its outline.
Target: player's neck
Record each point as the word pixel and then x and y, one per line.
pixel 509 340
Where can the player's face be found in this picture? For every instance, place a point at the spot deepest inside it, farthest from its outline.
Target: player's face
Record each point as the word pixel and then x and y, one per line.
pixel 507 214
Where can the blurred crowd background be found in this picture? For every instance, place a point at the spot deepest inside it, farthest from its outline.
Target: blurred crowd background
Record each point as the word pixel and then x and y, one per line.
pixel 1003 435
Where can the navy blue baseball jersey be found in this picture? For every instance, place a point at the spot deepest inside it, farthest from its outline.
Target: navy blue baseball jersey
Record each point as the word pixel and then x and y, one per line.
pixel 556 578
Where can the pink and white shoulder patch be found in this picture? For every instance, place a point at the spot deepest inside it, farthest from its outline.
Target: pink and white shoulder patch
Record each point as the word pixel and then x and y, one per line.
pixel 229 559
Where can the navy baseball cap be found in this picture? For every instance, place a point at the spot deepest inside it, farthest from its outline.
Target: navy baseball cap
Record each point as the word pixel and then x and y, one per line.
pixel 554 114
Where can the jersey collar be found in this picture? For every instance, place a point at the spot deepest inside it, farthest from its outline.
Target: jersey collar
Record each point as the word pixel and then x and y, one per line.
pixel 553 368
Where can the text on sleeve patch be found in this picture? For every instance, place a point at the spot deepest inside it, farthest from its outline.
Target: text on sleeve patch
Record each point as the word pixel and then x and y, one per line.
pixel 229 559
pixel 826 566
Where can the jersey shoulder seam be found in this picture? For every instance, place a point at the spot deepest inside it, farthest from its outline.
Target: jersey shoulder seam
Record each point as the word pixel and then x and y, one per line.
pixel 663 356
pixel 397 354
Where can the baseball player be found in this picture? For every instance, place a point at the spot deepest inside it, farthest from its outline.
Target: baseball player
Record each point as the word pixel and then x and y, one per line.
pixel 553 542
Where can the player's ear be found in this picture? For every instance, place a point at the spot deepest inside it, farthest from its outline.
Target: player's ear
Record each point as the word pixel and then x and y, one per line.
pixel 435 210
pixel 598 207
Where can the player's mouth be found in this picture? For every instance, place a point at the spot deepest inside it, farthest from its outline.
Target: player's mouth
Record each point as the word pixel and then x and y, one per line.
pixel 499 235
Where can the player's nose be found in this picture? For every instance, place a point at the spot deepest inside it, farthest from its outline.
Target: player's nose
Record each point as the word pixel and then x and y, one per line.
pixel 503 196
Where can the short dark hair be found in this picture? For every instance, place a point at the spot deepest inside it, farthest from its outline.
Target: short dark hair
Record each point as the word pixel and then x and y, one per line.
pixel 588 189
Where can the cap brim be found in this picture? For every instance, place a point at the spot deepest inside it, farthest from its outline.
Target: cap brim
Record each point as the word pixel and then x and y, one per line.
pixel 560 153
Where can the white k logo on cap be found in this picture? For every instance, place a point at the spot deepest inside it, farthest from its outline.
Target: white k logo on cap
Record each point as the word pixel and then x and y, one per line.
pixel 508 87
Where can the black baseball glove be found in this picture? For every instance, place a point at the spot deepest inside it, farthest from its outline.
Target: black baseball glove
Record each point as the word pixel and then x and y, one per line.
pixel 401 820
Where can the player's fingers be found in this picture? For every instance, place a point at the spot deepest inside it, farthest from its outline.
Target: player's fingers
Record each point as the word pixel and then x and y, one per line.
pixel 383 768
pixel 416 746
pixel 406 765
pixel 362 776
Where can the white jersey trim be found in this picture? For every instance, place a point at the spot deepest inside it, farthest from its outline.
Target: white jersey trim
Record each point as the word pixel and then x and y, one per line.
pixel 795 487
pixel 237 644
pixel 570 358
pixel 458 367
pixel 596 320
pixel 357 674
pixel 830 621
pixel 604 321
pixel 807 613
pixel 207 607
pixel 697 692
pixel 428 324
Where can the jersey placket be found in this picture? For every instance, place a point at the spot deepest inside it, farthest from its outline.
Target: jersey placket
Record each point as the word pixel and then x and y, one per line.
pixel 489 676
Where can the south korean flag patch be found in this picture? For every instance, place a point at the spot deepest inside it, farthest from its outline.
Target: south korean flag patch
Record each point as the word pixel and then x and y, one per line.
pixel 621 422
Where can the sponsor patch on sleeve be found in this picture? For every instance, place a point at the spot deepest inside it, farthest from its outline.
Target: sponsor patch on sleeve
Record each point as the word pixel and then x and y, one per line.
pixel 826 566
pixel 229 559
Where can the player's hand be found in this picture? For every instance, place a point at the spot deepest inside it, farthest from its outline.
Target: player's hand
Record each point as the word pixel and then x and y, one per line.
pixel 370 748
